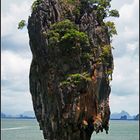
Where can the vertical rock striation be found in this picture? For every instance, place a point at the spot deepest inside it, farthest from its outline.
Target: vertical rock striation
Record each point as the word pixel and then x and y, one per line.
pixel 71 69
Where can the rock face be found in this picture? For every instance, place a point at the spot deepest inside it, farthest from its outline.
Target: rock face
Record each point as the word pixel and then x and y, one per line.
pixel 71 69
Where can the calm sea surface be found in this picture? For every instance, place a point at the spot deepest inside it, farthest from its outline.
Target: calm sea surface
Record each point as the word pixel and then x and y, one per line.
pixel 13 129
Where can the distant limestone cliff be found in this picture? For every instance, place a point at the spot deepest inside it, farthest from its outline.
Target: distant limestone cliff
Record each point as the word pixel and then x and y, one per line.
pixel 72 66
pixel 121 114
pixel 136 117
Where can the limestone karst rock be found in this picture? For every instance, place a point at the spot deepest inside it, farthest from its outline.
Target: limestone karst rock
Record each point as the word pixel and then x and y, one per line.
pixel 71 69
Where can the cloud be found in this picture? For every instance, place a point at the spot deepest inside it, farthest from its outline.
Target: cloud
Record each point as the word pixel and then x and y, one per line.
pixel 11 38
pixel 7 3
pixel 125 84
pixel 126 73
pixel 129 103
pixel 17 103
pixel 16 59
pixel 126 44
pixel 127 26
pixel 16 44
pixel 13 65
pixel 10 19
pixel 117 5
pixel 14 82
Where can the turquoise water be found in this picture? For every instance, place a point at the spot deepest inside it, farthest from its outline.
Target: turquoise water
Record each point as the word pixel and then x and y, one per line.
pixel 120 130
pixel 13 129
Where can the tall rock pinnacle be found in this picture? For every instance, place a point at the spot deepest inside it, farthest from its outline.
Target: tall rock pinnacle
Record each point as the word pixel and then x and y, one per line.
pixel 71 68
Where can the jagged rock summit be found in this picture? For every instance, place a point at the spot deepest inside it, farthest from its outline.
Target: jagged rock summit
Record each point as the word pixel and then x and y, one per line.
pixel 71 68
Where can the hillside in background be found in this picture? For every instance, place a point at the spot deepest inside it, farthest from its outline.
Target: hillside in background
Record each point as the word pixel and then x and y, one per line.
pixel 122 115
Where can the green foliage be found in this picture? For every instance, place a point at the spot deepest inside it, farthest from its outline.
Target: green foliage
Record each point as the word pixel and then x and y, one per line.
pixel 71 1
pixel 106 52
pixel 63 26
pixel 63 83
pixel 109 72
pixel 74 40
pixel 76 11
pixel 35 4
pixel 114 13
pixel 102 7
pixel 66 36
pixel 76 78
pixel 111 28
pixel 53 38
pixel 100 3
pixel 21 24
pixel 87 56
pixel 74 35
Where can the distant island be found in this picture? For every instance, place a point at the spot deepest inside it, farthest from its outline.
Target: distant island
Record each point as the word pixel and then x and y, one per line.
pixel 123 115
pixel 137 117
pixel 25 115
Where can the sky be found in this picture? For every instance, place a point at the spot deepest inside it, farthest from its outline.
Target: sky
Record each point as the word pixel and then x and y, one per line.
pixel 16 58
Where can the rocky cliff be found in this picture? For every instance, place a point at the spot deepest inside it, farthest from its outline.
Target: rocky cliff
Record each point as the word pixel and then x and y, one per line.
pixel 71 68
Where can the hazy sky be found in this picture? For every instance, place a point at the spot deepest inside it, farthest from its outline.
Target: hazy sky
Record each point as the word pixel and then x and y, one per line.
pixel 16 58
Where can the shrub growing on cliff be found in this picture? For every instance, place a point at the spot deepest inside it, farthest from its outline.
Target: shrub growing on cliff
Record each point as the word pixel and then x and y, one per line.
pixel 103 10
pixel 71 1
pixel 66 36
pixel 102 7
pixel 78 79
pixel 111 28
pixel 114 13
pixel 73 40
pixel 63 26
pixel 35 4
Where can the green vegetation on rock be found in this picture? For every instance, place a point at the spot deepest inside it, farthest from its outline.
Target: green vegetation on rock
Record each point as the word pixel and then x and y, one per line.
pixel 102 7
pixel 21 24
pixel 66 36
pixel 106 50
pixel 76 79
pixel 71 1
pixel 114 13
pixel 111 28
pixel 105 55
pixel 35 4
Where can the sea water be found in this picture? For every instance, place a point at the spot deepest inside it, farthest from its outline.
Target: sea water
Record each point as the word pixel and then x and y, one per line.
pixel 28 129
